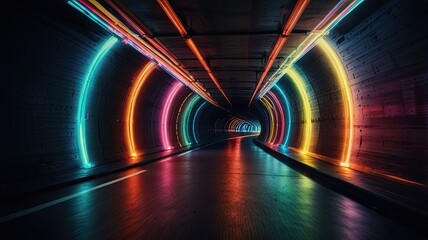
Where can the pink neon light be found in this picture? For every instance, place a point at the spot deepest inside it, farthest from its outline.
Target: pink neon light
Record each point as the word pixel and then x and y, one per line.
pixel 282 122
pixel 166 113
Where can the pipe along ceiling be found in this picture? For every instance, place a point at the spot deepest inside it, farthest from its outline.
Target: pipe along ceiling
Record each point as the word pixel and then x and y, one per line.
pixel 93 83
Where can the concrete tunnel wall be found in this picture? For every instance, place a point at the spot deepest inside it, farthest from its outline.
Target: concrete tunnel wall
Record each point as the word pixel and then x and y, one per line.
pixel 52 52
pixel 384 55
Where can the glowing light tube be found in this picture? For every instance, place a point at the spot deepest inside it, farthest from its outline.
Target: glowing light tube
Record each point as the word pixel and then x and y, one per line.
pixel 169 11
pixel 194 121
pixel 300 86
pixel 166 113
pixel 82 113
pixel 348 110
pixel 280 120
pixel 185 124
pixel 276 122
pixel 286 141
pixel 286 31
pixel 99 14
pixel 133 96
pixel 271 119
pixel 337 14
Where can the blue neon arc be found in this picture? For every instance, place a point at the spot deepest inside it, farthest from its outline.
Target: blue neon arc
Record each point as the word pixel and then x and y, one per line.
pixel 194 118
pixel 81 112
pixel 287 103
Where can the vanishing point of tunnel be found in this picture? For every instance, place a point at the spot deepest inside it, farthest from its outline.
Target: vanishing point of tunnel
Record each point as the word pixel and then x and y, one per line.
pixel 203 119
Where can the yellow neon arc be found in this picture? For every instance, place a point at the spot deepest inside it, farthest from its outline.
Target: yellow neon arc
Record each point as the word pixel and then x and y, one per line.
pixel 345 90
pixel 136 88
pixel 299 83
pixel 271 120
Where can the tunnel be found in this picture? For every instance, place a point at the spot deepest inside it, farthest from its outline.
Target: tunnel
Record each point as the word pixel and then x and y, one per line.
pixel 246 119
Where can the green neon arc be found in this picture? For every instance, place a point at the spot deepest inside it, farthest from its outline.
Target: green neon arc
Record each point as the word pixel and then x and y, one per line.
pixel 186 119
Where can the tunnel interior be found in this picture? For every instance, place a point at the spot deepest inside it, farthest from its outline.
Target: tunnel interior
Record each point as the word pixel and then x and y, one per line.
pixel 89 83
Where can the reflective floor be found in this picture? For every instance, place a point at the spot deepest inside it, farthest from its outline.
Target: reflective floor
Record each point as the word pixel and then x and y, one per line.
pixel 229 190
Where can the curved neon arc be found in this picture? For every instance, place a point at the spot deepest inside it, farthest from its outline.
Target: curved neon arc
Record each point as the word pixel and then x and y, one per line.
pixel 282 122
pixel 271 118
pixel 186 118
pixel 135 91
pixel 348 110
pixel 299 83
pixel 287 103
pixel 81 111
pixel 166 112
pixel 275 120
pixel 194 119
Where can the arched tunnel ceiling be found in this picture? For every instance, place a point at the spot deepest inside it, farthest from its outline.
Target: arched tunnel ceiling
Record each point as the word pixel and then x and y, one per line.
pixel 235 38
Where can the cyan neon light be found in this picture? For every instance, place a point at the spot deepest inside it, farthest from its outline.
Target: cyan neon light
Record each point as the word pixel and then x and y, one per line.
pixel 81 111
pixel 194 119
pixel 89 14
pixel 344 14
pixel 345 90
pixel 186 119
pixel 286 141
pixel 300 86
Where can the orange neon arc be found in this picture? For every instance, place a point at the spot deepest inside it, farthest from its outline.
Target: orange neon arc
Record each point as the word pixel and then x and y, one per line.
pixel 130 109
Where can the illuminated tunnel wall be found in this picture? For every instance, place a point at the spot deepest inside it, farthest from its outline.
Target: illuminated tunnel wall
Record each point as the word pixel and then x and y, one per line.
pixel 359 97
pixel 82 98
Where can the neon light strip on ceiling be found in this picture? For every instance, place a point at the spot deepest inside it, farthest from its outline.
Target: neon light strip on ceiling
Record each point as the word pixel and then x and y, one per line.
pixel 337 14
pixel 104 18
pixel 82 114
pixel 345 90
pixel 167 8
pixel 295 14
pixel 133 96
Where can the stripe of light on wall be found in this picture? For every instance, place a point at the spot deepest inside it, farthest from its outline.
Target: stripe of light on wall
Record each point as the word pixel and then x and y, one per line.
pixel 135 91
pixel 345 90
pixel 286 141
pixel 166 114
pixel 307 114
pixel 82 114
pixel 185 124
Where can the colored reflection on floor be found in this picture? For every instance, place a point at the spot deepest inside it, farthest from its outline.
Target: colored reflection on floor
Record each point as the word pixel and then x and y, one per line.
pixel 228 190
